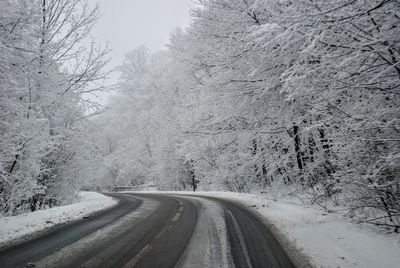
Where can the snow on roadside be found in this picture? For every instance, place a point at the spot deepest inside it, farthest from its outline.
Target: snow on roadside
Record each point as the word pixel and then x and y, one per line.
pixel 15 228
pixel 329 239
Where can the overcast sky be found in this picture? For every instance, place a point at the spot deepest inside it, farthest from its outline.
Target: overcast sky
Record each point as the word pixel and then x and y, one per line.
pixel 127 24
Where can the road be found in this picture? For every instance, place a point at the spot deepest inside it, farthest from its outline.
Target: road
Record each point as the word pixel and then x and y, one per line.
pixel 149 230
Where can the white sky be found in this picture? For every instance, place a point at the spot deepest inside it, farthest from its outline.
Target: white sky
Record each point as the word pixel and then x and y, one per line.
pixel 127 24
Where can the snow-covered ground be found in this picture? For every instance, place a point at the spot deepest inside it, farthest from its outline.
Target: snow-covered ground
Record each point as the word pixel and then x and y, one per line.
pixel 328 239
pixel 18 227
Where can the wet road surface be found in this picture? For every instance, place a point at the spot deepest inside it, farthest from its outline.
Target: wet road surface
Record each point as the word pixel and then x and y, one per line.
pixel 155 230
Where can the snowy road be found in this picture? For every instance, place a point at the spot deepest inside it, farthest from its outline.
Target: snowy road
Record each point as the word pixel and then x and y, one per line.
pixel 151 230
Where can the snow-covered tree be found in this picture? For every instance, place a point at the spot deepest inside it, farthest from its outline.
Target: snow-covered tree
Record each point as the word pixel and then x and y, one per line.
pixel 45 71
pixel 266 95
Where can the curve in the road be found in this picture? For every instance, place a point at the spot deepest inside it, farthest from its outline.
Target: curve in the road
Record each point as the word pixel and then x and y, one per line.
pixel 161 237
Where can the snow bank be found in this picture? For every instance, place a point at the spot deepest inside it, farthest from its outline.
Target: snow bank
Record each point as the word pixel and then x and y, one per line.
pixel 15 228
pixel 330 239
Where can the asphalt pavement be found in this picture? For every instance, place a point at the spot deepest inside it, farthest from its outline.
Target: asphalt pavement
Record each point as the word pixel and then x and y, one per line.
pixel 151 230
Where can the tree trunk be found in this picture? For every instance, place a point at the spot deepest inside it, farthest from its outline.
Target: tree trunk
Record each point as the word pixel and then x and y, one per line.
pixel 297 147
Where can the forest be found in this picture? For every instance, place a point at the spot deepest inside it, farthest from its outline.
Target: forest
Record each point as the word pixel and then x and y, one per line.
pixel 294 97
